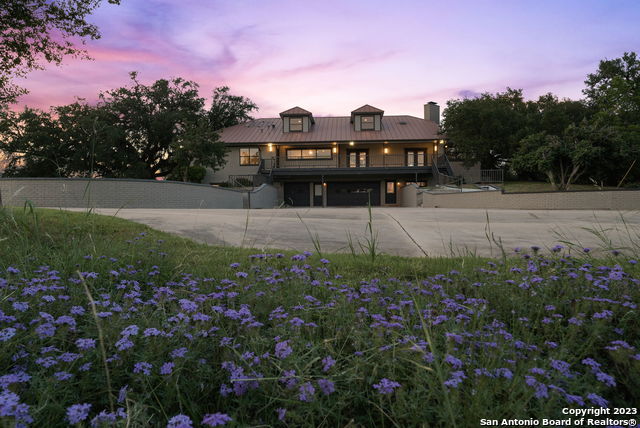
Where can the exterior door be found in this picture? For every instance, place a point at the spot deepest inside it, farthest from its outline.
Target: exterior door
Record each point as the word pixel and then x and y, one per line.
pixel 390 192
pixel 297 194
pixel 317 194
pixel 358 158
pixel 416 157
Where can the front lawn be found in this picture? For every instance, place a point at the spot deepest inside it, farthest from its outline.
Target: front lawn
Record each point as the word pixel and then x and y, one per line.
pixel 107 322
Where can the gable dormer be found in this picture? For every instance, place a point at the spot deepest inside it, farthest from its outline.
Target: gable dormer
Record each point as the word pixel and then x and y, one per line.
pixel 367 118
pixel 296 120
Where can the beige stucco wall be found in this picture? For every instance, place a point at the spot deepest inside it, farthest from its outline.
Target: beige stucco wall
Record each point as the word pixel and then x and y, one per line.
pixel 232 167
pixel 116 193
pixel 408 195
pixel 585 200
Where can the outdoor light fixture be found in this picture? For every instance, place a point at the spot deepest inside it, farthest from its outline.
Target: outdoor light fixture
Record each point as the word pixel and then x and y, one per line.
pixel 270 147
pixel 386 150
pixel 435 148
pixel 351 143
pixel 335 150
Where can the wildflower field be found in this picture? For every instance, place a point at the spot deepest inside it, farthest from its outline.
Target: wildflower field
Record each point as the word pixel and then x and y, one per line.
pixel 104 322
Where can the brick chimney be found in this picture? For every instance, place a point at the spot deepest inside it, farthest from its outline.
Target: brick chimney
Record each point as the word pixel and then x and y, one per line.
pixel 432 112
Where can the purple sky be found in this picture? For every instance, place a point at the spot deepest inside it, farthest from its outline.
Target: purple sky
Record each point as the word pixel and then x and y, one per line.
pixel 331 57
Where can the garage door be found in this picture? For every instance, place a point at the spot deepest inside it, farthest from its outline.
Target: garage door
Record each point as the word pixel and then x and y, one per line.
pixel 353 193
pixel 297 194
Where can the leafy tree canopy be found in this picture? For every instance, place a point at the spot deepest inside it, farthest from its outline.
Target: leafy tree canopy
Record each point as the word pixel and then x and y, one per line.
pixel 33 32
pixel 614 89
pixel 136 131
pixel 614 92
pixel 228 110
pixel 486 128
pixel 565 158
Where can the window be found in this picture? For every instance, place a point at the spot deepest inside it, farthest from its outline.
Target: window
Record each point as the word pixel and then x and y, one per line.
pixel 367 123
pixel 295 124
pixel 317 190
pixel 416 157
pixel 249 156
pixel 295 154
pixel 391 187
pixel 358 158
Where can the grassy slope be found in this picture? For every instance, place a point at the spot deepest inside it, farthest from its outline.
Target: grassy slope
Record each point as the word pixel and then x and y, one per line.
pixel 494 310
pixel 60 238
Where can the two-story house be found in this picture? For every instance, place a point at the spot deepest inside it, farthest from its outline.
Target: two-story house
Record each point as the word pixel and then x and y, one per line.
pixel 335 161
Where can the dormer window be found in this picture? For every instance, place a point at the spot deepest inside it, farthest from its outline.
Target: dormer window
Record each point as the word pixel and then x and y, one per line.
pixel 367 123
pixel 367 118
pixel 295 124
pixel 296 120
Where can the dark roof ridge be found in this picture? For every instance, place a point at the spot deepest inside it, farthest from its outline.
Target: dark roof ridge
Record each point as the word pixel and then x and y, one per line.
pixel 336 117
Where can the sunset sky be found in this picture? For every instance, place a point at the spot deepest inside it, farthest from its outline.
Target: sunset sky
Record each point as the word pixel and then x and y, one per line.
pixel 333 56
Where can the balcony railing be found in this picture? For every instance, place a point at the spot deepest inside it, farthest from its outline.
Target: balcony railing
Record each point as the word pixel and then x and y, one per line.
pixel 350 160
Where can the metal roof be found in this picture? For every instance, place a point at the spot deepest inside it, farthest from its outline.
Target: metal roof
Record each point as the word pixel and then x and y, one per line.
pixel 331 129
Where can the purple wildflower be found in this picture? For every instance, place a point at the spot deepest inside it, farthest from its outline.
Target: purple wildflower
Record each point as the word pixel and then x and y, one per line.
pixel 597 400
pixel 603 315
pixel 455 362
pixel 20 306
pixel 78 413
pixel 574 399
pixel 46 330
pixel 386 386
pixel 281 413
pixel 326 386
pixel 86 344
pixel 606 379
pixel 142 367
pixel 131 330
pixel 283 350
pixel 456 379
pixel 180 421
pixel 122 394
pixel 7 333
pixel 63 375
pixel 188 306
pixel 167 368
pixel 327 363
pixel 77 310
pixel 151 332
pixel 216 419
pixel 179 352
pixel 306 392
pixel 124 343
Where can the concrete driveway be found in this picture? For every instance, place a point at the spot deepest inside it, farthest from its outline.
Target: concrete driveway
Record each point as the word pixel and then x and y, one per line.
pixel 400 231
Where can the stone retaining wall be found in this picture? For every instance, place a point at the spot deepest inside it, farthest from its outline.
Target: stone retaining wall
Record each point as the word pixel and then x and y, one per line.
pixel 128 193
